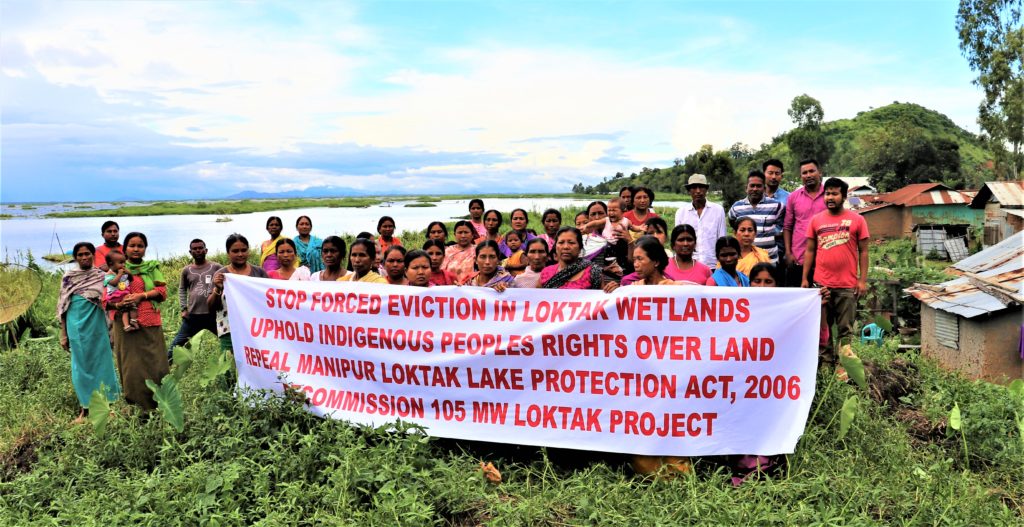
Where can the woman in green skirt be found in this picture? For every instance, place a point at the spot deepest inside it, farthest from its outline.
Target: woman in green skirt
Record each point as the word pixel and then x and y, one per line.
pixel 83 330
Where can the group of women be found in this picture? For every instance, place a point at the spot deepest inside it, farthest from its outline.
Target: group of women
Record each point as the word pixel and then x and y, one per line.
pixel 140 354
pixel 621 243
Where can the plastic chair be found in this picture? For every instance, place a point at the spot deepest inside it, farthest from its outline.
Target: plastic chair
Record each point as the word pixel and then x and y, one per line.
pixel 872 333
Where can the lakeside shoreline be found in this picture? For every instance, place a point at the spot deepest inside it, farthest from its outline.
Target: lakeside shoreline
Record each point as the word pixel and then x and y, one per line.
pixel 223 207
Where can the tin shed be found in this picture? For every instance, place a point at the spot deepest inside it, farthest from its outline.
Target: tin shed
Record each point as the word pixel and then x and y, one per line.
pixel 974 323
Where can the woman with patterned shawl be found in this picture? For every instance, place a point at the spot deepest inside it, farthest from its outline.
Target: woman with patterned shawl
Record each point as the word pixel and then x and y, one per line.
pixel 83 330
pixel 570 271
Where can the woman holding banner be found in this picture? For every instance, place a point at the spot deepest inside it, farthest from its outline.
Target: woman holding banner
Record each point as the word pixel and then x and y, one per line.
pixel 488 272
pixel 650 261
pixel 570 271
pixel 238 264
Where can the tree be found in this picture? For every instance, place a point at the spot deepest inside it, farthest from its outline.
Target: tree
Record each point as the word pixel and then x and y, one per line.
pixel 992 40
pixel 899 154
pixel 806 112
pixel 807 139
pixel 720 171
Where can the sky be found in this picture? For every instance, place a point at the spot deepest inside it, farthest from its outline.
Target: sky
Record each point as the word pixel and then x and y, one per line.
pixel 178 100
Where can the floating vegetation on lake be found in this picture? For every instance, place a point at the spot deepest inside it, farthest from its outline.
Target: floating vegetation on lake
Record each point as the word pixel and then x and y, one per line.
pixel 224 219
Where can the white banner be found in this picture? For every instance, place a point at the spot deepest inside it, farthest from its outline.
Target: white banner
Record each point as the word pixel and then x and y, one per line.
pixel 657 370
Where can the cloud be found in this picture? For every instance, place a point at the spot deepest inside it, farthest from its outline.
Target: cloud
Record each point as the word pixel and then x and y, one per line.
pixel 224 97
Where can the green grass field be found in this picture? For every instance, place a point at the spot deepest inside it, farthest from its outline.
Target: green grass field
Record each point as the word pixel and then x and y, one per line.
pixel 268 462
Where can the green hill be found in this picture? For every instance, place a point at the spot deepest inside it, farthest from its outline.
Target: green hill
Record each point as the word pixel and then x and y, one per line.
pixel 894 145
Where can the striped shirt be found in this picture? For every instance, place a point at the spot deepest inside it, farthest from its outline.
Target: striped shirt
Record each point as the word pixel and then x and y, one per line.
pixel 768 215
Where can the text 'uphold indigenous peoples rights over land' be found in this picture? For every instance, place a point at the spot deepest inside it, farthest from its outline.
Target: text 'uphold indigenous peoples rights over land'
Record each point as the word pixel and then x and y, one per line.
pixel 662 371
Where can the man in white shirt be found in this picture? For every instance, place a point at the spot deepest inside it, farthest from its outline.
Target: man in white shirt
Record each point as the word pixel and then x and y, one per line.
pixel 707 218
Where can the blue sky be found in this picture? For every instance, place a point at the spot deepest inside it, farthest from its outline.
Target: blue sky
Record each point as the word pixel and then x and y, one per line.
pixel 167 100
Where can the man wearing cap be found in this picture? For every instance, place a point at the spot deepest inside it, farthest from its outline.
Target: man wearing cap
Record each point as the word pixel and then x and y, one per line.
pixel 707 218
pixel 768 214
pixel 802 205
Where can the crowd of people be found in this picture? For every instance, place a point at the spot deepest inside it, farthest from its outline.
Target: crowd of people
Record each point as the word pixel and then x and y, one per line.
pixel 803 238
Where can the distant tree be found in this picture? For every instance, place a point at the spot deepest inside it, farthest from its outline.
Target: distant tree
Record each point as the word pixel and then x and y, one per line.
pixel 806 112
pixel 897 155
pixel 992 40
pixel 808 139
pixel 719 169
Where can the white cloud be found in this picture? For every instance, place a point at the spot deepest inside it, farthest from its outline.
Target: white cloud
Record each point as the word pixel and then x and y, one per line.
pixel 269 90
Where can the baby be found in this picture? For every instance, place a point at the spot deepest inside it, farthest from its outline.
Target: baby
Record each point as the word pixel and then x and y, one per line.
pixel 514 264
pixel 117 281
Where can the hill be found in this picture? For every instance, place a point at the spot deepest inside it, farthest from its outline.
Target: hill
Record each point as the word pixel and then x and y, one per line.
pixel 893 145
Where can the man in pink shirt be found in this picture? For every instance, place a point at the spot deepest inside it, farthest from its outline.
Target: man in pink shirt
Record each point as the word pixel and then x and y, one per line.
pixel 837 249
pixel 802 204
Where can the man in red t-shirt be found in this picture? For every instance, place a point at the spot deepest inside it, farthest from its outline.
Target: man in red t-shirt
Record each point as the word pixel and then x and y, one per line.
pixel 111 231
pixel 837 251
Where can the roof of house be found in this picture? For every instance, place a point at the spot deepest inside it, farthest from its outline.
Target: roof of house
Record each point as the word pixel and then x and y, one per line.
pixel 1006 193
pixel 1002 264
pixel 923 194
pixel 857 182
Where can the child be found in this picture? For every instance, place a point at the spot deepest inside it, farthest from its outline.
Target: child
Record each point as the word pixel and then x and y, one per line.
pixel 761 275
pixel 117 281
pixel 514 264
pixel 614 226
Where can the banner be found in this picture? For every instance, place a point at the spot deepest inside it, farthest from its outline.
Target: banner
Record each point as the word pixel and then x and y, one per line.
pixel 656 370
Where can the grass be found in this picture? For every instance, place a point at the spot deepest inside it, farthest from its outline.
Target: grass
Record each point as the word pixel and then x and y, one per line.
pixel 272 463
pixel 171 208
pixel 268 462
pixel 415 205
pixel 19 287
pixel 6 216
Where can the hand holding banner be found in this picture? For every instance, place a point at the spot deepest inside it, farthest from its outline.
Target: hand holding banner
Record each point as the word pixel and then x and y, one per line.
pixel 654 370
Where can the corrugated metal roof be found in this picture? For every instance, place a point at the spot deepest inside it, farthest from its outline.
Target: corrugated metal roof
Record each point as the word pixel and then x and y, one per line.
pixel 922 194
pixel 868 206
pixel 1005 252
pixel 1002 263
pixel 1007 192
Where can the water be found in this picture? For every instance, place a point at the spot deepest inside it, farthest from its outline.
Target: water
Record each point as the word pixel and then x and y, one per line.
pixel 170 235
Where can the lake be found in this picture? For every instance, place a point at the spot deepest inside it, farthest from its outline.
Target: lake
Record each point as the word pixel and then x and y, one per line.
pixel 170 235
